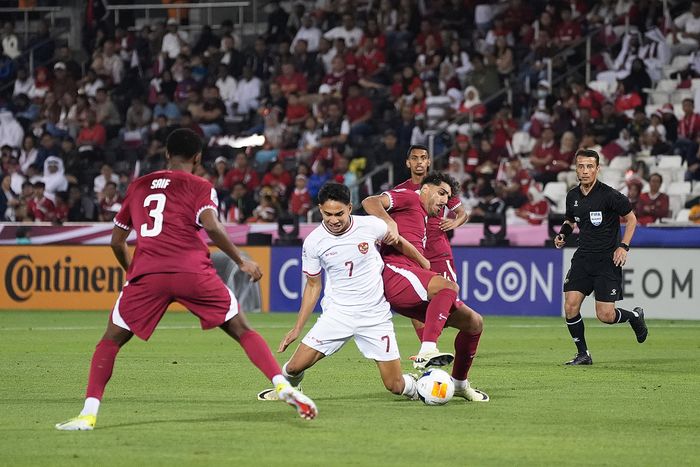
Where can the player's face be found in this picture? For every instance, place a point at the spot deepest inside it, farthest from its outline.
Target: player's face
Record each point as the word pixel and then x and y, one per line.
pixel 435 197
pixel 586 170
pixel 418 162
pixel 336 216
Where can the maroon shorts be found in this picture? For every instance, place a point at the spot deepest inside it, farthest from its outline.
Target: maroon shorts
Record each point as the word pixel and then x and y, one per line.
pixel 143 300
pixel 445 267
pixel 406 288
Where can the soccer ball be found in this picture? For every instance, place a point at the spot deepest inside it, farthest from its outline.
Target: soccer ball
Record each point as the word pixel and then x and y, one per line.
pixel 435 387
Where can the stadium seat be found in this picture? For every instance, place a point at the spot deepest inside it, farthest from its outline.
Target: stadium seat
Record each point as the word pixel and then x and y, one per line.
pixel 604 87
pixel 682 215
pixel 621 163
pixel 695 84
pixel 669 162
pixel 666 85
pixel 649 109
pixel 612 177
pixel 659 97
pixel 522 142
pixel 675 203
pixel 679 188
pixel 679 95
pixel 555 191
pixel 696 188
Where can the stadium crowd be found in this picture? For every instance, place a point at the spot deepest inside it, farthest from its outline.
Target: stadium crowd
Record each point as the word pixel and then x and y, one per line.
pixel 338 88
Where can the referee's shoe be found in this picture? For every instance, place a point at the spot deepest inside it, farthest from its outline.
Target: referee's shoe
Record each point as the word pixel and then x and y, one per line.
pixel 639 326
pixel 581 358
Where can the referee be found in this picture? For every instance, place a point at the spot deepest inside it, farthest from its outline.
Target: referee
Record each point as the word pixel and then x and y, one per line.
pixel 597 263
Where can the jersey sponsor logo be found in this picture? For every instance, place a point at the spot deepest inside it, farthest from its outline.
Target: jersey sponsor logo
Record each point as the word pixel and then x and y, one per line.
pixel 596 217
pixel 577 219
pixel 576 203
pixel 613 292
pixel 363 247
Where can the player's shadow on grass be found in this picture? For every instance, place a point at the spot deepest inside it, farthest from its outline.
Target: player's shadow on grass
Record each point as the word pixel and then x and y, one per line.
pixel 277 417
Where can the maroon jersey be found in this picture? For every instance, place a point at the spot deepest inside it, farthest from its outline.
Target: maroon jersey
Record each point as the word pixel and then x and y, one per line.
pixel 164 208
pixel 438 245
pixel 410 216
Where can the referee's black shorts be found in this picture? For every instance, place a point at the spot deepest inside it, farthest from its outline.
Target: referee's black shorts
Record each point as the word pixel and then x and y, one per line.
pixel 595 272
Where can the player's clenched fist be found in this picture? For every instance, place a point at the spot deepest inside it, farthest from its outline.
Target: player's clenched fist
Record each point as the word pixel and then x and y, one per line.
pixel 559 241
pixel 392 233
pixel 252 269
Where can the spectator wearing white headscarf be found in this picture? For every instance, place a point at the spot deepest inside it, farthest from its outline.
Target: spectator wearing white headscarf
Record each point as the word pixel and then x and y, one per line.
pixel 11 132
pixel 54 176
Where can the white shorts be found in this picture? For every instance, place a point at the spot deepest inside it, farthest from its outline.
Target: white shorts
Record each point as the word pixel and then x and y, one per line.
pixel 376 342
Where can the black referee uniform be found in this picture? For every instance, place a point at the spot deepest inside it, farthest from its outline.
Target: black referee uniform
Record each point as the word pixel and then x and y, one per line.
pixel 598 218
pixel 593 269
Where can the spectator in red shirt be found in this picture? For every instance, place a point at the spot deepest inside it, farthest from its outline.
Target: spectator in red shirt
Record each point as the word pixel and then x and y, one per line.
pixel 568 31
pixel 546 159
pixel 40 208
pixel 371 62
pixel 110 202
pixel 297 112
pixel 279 179
pixel 358 109
pixel 653 205
pixel 688 131
pixel 340 78
pixel 300 201
pixel 405 83
pixel 242 172
pixel 536 209
pixel 464 151
pixel 92 133
pixel 291 80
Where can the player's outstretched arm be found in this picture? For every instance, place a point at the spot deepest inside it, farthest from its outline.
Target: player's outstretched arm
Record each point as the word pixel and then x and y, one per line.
pixel 407 249
pixel 377 206
pixel 309 298
pixel 218 235
pixel 119 247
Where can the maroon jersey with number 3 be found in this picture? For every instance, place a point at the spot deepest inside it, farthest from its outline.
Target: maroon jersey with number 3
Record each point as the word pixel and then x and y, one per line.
pixel 164 208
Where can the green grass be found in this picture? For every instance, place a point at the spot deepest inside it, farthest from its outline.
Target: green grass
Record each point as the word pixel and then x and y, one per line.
pixel 188 398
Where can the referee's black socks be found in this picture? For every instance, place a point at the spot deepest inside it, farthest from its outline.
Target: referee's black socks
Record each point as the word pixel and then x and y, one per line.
pixel 577 331
pixel 622 316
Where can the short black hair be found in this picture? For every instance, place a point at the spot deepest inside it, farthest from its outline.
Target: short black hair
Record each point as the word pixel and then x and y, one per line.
pixel 438 178
pixel 417 146
pixel 588 153
pixel 184 143
pixel 334 191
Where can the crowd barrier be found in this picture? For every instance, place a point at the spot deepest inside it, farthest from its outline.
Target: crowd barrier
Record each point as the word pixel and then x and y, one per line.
pixel 494 281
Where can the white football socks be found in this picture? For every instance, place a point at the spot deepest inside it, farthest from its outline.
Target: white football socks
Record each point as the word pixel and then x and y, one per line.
pixel 409 389
pixel 92 405
pixel 460 384
pixel 427 347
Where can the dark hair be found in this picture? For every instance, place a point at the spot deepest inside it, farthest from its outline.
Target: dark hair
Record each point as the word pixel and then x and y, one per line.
pixel 416 146
pixel 438 178
pixel 184 143
pixel 656 174
pixel 335 192
pixel 39 185
pixel 588 153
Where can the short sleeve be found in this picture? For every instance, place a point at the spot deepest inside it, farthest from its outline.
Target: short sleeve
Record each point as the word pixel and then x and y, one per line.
pixel 206 199
pixel 399 198
pixel 453 203
pixel 123 217
pixel 378 227
pixel 620 204
pixel 310 262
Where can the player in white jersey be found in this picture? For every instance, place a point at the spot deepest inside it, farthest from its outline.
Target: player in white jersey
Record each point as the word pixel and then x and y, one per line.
pixel 354 306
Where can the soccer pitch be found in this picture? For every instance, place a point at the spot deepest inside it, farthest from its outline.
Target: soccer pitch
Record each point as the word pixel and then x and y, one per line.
pixel 188 398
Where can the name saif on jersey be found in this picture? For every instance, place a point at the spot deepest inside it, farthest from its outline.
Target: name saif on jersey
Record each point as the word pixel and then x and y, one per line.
pixel 160 183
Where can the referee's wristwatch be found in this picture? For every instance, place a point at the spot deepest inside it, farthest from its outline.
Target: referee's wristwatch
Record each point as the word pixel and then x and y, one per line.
pixel 624 246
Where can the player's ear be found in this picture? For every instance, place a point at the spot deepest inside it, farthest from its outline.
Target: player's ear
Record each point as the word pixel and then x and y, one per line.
pixel 198 158
pixel 349 208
